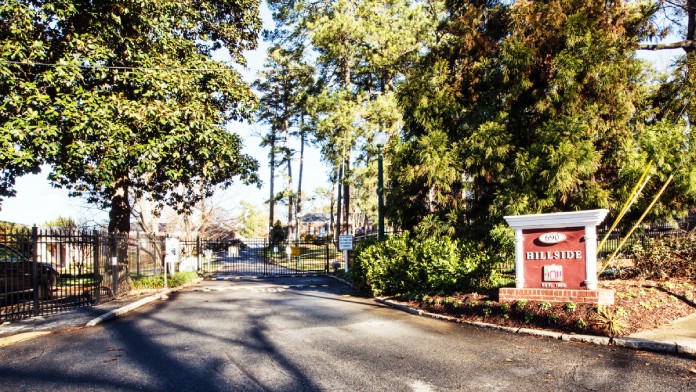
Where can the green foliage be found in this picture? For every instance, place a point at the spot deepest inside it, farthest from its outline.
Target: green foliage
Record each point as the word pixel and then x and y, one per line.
pixel 381 267
pixel 527 107
pixel 402 264
pixel 571 307
pixel 279 233
pixel 664 257
pixel 580 323
pixel 252 221
pixel 61 222
pixel 528 317
pixel 157 282
pixel 135 106
pixel 544 305
pixel 520 305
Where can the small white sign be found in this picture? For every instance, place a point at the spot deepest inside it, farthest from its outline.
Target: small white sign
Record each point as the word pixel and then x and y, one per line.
pixel 345 242
pixel 172 246
pixel 552 238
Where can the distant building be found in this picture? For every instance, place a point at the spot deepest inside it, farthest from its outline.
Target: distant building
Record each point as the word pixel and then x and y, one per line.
pixel 314 224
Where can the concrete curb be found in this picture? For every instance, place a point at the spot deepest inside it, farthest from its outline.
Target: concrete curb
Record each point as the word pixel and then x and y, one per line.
pixel 634 343
pixel 132 306
pixel 340 280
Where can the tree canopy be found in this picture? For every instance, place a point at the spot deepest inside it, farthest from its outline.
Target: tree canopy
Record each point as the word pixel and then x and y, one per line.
pixel 125 98
pixel 534 107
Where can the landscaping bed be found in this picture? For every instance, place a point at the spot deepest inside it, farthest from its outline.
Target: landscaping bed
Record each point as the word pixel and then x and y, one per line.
pixel 639 305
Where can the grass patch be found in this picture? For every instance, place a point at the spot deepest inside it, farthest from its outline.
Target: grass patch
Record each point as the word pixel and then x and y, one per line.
pixel 157 282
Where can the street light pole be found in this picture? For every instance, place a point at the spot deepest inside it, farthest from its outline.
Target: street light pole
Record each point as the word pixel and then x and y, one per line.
pixel 380 195
pixel 380 141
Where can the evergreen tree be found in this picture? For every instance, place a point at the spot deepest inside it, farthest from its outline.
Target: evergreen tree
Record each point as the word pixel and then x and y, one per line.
pixel 536 106
pixel 283 85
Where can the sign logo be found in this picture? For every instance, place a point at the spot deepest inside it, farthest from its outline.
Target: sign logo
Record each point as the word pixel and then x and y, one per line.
pixel 552 238
pixel 553 273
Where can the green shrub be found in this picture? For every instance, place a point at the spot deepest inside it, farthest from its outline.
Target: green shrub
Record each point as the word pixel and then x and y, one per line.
pixel 157 282
pixel 379 267
pixel 401 264
pixel 435 266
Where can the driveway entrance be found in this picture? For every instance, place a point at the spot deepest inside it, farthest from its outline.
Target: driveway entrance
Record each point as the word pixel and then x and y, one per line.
pixel 258 257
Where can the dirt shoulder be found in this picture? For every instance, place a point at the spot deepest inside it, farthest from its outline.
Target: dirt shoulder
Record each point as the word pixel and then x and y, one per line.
pixel 639 305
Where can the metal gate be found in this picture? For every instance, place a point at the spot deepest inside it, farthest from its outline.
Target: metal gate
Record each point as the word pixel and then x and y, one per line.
pixel 259 257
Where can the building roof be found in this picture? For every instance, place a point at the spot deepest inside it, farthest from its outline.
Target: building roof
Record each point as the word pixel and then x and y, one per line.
pixel 315 218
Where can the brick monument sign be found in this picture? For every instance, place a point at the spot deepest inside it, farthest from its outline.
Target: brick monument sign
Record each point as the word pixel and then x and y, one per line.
pixel 556 258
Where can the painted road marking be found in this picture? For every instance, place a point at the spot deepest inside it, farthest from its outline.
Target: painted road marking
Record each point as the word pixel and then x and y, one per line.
pixel 261 288
pixel 20 337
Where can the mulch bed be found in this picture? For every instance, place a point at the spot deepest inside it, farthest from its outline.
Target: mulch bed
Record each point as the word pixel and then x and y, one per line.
pixel 639 305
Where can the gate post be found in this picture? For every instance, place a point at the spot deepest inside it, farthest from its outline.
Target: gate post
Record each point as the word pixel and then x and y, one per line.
pixel 96 267
pixel 326 254
pixel 114 264
pixel 35 268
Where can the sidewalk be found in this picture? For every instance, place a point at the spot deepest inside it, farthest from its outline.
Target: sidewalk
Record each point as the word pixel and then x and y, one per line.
pixel 74 318
pixel 680 332
pixel 88 316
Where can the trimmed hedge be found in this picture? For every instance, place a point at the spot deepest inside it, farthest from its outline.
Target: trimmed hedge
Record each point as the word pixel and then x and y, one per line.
pixel 401 265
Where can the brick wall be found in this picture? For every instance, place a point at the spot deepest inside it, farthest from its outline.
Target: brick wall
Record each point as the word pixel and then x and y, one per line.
pixel 600 297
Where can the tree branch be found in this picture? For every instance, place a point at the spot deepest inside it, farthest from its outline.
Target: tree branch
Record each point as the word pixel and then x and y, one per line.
pixel 686 44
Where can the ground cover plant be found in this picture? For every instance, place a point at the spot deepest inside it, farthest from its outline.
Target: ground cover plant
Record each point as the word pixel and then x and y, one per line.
pixel 157 282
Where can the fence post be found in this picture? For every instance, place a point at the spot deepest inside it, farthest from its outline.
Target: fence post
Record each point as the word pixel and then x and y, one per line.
pixel 326 254
pixel 137 253
pixel 35 268
pixel 198 253
pixel 97 267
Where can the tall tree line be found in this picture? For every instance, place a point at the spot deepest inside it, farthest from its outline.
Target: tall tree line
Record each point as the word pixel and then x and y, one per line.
pixel 495 107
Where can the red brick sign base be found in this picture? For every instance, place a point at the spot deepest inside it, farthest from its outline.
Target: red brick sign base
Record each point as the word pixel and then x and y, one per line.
pixel 599 297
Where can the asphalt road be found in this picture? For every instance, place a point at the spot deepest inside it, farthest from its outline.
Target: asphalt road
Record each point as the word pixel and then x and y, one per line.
pixel 298 334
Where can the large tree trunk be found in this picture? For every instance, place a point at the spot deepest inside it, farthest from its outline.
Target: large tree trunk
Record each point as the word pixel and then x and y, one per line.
pixel 288 158
pixel 272 196
pixel 338 202
pixel 346 198
pixel 119 214
pixel 119 227
pixel 332 204
pixel 299 178
pixel 691 52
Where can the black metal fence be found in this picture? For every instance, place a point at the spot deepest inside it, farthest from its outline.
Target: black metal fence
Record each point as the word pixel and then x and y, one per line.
pixel 258 257
pixel 640 236
pixel 45 271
